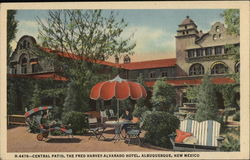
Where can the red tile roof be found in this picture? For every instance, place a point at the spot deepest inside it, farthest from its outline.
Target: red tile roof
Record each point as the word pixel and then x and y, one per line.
pixel 74 56
pixel 130 66
pixel 41 76
pixel 193 82
pixel 150 64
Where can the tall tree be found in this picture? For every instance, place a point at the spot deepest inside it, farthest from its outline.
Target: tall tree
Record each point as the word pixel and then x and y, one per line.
pixel 11 29
pixel 163 95
pixel 232 20
pixel 207 102
pixel 89 35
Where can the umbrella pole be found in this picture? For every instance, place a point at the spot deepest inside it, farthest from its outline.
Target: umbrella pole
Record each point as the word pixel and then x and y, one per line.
pixel 117 109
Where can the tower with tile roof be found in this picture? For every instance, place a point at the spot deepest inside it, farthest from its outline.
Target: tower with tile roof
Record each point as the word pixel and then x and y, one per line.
pixel 187 33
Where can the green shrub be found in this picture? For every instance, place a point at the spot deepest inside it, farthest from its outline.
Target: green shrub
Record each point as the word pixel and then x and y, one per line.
pixel 78 121
pixel 159 125
pixel 232 140
pixel 231 144
pixel 138 111
pixel 236 117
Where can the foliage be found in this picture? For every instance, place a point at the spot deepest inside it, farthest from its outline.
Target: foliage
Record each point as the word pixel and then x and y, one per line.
pixel 125 104
pixel 11 84
pixel 232 20
pixel 74 100
pixel 19 92
pixel 229 92
pixel 138 111
pixel 192 93
pixel 159 125
pixel 89 36
pixel 232 140
pixel 35 98
pixel 236 117
pixel 11 29
pixel 142 104
pixel 207 102
pixel 85 32
pixel 77 120
pixel 163 95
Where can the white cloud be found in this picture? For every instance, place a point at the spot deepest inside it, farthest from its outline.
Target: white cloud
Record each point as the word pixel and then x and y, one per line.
pixel 151 41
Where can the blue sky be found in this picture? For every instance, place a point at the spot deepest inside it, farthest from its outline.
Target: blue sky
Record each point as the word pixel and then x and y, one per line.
pixel 154 29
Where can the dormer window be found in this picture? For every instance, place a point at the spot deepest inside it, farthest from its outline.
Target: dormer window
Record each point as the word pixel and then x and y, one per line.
pixel 126 59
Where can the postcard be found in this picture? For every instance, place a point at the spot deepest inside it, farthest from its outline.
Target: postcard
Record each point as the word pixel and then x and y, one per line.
pixel 125 80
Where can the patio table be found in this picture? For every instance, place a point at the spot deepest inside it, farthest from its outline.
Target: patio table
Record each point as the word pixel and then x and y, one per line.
pixel 118 126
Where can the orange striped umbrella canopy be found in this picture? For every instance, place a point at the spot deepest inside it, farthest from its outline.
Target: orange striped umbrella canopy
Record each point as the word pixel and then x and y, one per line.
pixel 118 88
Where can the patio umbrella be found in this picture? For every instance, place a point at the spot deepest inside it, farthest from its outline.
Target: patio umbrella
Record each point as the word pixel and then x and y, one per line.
pixel 118 88
pixel 35 110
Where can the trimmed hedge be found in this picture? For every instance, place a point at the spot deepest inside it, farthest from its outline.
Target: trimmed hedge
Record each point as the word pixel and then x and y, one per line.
pixel 78 121
pixel 159 125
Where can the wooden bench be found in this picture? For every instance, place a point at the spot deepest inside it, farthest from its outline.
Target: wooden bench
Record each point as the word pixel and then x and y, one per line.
pixel 206 133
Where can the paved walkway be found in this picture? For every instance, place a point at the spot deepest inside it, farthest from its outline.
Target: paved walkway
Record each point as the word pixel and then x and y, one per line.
pixel 19 140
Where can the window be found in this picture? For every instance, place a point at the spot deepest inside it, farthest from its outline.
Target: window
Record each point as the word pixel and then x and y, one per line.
pixel 24 44
pixel 152 75
pixel 34 68
pixel 214 37
pixel 191 53
pixel 13 69
pixel 218 50
pixel 196 69
pixel 217 29
pixel 199 52
pixel 185 27
pixel 208 51
pixel 24 66
pixel 164 74
pixel 126 59
pixel 183 33
pixel 237 68
pixel 219 69
pixel 187 32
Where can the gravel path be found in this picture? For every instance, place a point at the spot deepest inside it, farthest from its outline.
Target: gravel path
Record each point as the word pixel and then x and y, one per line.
pixel 19 140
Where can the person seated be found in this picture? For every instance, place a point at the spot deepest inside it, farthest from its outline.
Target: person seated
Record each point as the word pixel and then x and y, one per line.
pixel 126 116
pixel 45 122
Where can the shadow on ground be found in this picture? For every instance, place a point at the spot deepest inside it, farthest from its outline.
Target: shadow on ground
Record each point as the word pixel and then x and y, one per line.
pixel 14 126
pixel 63 140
